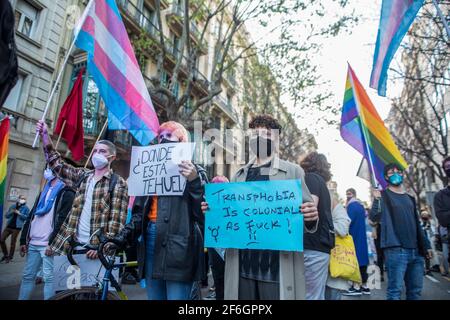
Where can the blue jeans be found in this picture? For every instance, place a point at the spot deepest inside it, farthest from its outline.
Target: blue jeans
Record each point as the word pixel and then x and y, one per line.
pixel 158 289
pixel 316 274
pixel 404 265
pixel 35 258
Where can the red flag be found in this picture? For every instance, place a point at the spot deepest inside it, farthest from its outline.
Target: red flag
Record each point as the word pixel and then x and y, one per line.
pixel 72 114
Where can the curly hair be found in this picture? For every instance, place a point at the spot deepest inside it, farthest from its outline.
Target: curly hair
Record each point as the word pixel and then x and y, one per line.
pixel 445 161
pixel 264 121
pixel 317 163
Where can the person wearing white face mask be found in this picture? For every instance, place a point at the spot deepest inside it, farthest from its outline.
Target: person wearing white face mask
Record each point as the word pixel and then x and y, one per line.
pixel 48 214
pixel 16 216
pixel 100 205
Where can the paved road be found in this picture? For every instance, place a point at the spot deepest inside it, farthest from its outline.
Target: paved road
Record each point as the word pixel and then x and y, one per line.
pixel 436 287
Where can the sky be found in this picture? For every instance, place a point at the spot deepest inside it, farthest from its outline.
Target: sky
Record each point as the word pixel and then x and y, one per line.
pixel 357 49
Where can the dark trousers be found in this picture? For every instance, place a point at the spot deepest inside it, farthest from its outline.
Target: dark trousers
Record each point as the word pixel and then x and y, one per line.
pixel 206 269
pixel 380 256
pixel 131 254
pixel 364 275
pixel 258 290
pixel 218 272
pixel 14 233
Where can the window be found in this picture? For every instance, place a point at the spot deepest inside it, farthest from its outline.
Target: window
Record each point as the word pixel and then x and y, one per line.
pixel 147 18
pixel 175 46
pixel 189 105
pixel 13 99
pixel 229 101
pixel 26 18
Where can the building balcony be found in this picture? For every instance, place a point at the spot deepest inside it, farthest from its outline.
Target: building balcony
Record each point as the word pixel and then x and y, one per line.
pixel 229 80
pixel 175 18
pixel 137 20
pixel 225 107
pixel 93 124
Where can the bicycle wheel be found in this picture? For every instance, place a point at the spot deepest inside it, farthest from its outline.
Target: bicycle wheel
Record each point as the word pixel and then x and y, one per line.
pixel 82 294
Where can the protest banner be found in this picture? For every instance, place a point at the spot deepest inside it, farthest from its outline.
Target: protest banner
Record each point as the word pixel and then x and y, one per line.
pixel 86 274
pixel 254 215
pixel 154 169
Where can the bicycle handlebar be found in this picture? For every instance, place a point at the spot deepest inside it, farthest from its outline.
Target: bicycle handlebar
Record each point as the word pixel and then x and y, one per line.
pixel 72 245
pixel 101 256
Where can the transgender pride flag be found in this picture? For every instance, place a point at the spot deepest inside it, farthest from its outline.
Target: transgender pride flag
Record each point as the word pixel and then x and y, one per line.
pixel 113 65
pixel 395 20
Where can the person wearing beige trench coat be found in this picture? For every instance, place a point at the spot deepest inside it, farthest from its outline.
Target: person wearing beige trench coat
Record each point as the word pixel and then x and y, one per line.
pixel 292 279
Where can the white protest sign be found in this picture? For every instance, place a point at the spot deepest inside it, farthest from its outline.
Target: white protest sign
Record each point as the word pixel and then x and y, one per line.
pixel 66 276
pixel 154 169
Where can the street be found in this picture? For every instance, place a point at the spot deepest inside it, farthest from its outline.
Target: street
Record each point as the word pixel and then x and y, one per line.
pixel 436 287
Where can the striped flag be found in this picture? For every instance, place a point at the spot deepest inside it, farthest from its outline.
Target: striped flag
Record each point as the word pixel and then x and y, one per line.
pixel 113 65
pixel 395 19
pixel 4 136
pixel 363 129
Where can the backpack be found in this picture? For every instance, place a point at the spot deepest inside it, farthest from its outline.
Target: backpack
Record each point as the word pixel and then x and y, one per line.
pixel 112 183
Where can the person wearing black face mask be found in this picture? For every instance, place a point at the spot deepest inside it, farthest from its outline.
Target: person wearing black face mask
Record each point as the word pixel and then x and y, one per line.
pixel 442 203
pixel 256 274
pixel 404 243
pixel 16 217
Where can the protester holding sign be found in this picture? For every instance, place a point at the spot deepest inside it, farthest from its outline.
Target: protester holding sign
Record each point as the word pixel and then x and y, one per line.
pixel 169 229
pixel 47 216
pixel 255 274
pixel 101 201
pixel 318 245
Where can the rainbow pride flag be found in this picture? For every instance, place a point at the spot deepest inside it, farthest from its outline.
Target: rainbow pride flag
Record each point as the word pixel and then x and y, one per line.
pixel 395 19
pixel 4 136
pixel 114 68
pixel 364 130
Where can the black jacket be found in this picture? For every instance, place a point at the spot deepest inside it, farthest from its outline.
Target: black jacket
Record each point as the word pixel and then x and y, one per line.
pixel 63 204
pixel 442 207
pixel 178 254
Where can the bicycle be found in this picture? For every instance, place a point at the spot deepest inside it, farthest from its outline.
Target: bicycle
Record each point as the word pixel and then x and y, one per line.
pixel 101 290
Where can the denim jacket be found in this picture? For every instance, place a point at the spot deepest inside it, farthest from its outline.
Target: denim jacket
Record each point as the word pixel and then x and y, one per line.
pixel 24 211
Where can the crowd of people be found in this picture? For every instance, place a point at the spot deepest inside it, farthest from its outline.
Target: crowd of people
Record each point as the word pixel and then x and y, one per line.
pixel 165 233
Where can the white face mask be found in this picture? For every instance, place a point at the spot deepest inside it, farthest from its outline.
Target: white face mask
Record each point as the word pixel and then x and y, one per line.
pixel 22 201
pixel 48 175
pixel 99 161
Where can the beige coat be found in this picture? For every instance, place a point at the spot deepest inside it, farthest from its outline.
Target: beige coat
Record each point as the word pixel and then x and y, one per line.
pixel 292 279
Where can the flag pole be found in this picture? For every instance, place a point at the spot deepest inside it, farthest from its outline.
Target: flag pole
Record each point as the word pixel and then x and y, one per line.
pixel 98 138
pixel 60 134
pixel 66 59
pixel 441 15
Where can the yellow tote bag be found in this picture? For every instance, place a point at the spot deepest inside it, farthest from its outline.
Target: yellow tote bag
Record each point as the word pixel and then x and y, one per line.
pixel 343 260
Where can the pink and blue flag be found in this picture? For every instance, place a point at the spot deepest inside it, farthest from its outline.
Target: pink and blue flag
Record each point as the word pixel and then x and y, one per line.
pixel 114 68
pixel 395 20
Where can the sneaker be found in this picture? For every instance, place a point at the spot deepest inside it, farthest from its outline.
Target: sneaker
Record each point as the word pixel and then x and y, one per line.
pixel 353 292
pixel 211 296
pixel 365 290
pixel 128 278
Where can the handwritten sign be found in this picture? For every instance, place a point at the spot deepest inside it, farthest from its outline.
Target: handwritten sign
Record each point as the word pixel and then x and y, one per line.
pixel 66 276
pixel 254 215
pixel 154 169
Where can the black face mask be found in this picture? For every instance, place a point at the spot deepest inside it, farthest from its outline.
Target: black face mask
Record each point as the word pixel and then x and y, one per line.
pixel 261 146
pixel 164 140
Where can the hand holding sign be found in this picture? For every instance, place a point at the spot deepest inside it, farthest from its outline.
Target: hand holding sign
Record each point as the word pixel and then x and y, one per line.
pixel 254 215
pixel 188 170
pixel 161 169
